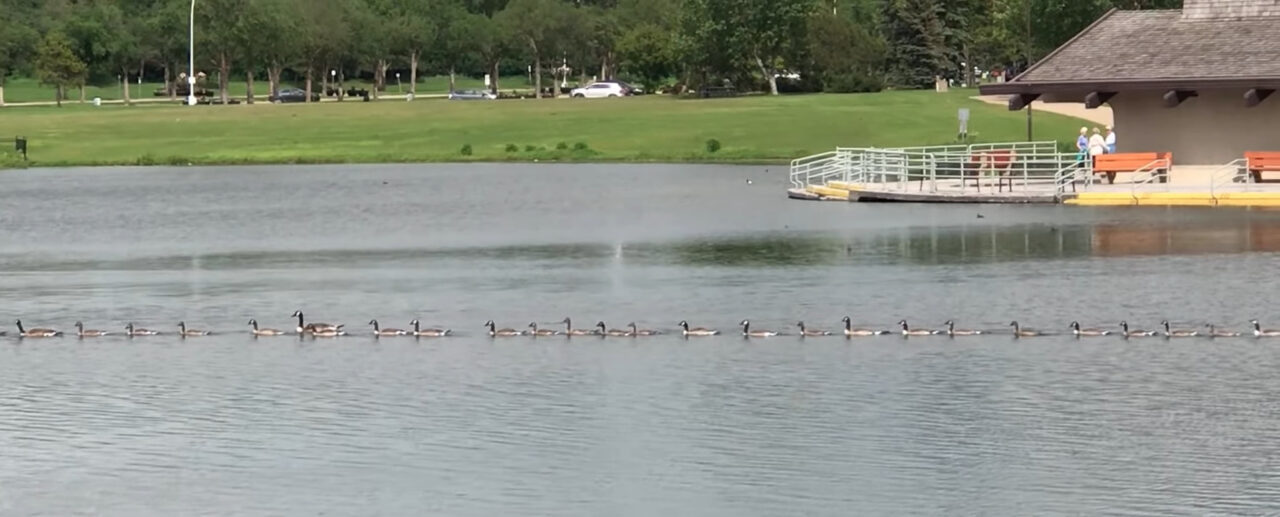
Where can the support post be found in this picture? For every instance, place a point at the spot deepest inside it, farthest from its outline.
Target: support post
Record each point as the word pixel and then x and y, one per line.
pixel 1173 98
pixel 1095 99
pixel 1255 96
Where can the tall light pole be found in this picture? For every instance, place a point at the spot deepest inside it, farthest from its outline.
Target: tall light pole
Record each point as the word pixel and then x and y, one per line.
pixel 191 59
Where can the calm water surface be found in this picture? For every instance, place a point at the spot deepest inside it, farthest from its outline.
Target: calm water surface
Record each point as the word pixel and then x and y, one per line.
pixel 230 425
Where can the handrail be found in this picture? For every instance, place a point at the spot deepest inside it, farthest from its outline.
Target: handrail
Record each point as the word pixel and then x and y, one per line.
pixel 1147 173
pixel 942 167
pixel 1237 168
pixel 1070 174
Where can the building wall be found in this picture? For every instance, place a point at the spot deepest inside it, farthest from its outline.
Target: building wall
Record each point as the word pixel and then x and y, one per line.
pixel 1213 128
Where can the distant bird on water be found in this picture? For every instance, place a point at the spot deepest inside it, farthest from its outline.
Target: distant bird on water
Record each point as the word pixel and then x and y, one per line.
pixel 980 216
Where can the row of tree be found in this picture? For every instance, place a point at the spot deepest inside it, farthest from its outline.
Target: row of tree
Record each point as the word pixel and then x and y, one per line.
pixel 836 45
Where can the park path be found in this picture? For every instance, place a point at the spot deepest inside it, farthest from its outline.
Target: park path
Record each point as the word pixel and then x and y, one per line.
pixel 1101 116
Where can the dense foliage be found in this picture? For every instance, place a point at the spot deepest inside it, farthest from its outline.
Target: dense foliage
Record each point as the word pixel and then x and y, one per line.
pixel 837 45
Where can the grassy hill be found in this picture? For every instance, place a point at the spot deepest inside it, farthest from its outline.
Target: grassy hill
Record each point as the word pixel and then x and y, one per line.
pixel 648 128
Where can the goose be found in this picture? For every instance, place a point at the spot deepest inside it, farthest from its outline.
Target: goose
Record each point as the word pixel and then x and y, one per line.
pixel 641 332
pixel 1214 332
pixel 315 327
pixel 535 331
pixel 1124 326
pixel 807 332
pixel 381 332
pixel 696 331
pixel 1018 331
pixel 747 332
pixel 951 330
pixel 418 331
pixel 80 331
pixel 570 331
pixel 849 331
pixel 494 331
pixel 1090 332
pixel 264 332
pixel 131 331
pixel 36 332
pixel 326 332
pixel 185 332
pixel 605 331
pixel 907 331
pixel 1257 330
pixel 1177 333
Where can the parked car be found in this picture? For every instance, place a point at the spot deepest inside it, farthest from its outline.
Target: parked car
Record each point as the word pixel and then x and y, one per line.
pixel 630 88
pixel 472 95
pixel 601 90
pixel 294 95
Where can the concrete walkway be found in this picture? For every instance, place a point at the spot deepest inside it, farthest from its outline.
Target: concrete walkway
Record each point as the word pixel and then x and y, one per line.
pixel 1101 116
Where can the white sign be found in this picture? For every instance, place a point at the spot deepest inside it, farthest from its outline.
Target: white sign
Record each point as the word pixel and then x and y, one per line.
pixel 486 80
pixel 964 121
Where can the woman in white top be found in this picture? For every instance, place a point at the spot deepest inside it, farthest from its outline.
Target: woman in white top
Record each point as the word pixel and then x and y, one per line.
pixel 1097 145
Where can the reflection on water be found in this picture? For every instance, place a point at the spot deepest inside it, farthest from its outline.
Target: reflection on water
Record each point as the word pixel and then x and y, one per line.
pixel 231 425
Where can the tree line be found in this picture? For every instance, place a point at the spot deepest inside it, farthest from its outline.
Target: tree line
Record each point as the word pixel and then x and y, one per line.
pixel 766 45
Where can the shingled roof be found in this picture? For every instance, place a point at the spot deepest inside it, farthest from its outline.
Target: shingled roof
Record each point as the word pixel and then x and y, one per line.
pixel 1159 48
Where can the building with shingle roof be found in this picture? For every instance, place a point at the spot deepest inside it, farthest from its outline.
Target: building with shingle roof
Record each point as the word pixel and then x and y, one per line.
pixel 1194 81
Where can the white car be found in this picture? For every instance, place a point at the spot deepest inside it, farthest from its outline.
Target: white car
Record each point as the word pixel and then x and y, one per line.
pixel 599 90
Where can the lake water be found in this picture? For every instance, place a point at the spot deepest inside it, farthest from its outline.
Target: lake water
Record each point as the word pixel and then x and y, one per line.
pixel 471 426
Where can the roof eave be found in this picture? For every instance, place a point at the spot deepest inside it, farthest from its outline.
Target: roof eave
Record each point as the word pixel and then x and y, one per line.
pixel 1123 85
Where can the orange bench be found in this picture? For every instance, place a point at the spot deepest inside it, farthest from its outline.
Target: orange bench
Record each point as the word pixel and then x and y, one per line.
pixel 1110 164
pixel 1261 161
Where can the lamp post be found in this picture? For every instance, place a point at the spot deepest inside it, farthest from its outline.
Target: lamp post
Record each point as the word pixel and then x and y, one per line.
pixel 398 87
pixel 191 59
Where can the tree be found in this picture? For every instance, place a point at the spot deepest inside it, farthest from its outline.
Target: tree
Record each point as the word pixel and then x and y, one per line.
pixel 487 35
pixel 221 31
pixel 164 38
pixel 57 65
pixel 323 38
pixel 416 26
pixel 16 42
pixel 774 31
pixel 846 56
pixel 454 46
pixel 535 24
pixel 647 52
pixel 916 38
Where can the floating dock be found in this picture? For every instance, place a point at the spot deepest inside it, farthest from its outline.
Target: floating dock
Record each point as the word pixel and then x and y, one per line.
pixel 1014 173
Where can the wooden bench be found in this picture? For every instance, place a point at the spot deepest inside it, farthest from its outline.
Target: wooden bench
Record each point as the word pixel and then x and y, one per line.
pixel 1110 164
pixel 1261 161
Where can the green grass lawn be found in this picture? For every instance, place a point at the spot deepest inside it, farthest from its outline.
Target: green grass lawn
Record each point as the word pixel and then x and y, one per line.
pixel 30 90
pixel 648 128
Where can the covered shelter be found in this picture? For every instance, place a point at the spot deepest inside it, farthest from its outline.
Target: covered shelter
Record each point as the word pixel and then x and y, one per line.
pixel 1198 82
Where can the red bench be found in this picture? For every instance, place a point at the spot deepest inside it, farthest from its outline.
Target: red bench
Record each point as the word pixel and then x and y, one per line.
pixel 1110 164
pixel 1261 161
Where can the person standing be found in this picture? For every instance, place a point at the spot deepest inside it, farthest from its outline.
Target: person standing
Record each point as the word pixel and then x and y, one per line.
pixel 1097 144
pixel 1111 140
pixel 1082 143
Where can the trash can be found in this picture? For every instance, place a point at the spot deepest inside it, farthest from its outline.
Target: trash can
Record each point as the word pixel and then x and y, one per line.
pixel 97 101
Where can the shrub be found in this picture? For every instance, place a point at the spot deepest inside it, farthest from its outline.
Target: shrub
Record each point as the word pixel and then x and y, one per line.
pixel 530 148
pixel 854 83
pixel 562 146
pixel 466 150
pixel 581 146
pixel 713 145
pixel 511 148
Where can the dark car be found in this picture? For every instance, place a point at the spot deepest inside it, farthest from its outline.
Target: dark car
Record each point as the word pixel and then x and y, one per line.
pixel 294 95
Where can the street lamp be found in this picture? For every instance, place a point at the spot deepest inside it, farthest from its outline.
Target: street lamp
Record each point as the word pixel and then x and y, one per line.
pixel 191 59
pixel 398 88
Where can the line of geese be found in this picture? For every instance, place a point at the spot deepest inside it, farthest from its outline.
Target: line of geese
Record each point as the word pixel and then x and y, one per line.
pixel 315 329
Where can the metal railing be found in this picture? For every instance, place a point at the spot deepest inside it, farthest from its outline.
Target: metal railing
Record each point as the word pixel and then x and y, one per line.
pixel 994 166
pixel 1233 172
pixel 1078 171
pixel 1155 170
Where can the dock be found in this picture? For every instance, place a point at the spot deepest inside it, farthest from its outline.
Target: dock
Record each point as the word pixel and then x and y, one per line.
pixel 1014 173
